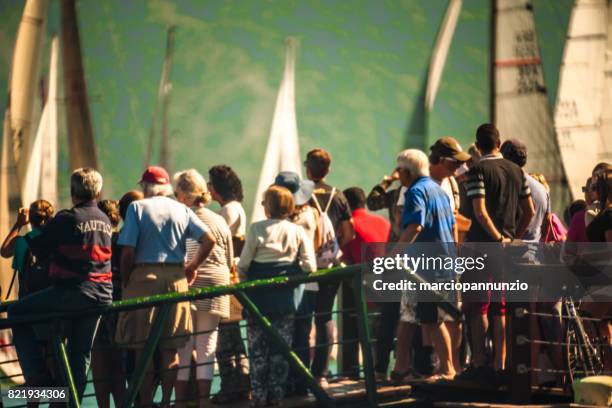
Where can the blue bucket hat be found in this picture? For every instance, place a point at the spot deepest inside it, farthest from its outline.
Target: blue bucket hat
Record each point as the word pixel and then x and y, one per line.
pixel 301 189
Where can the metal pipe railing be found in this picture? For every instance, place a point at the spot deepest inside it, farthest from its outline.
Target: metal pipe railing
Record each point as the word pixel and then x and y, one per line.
pixel 191 295
pixel 163 301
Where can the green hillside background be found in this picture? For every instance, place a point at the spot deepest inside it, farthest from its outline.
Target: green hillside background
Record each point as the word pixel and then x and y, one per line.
pixel 360 68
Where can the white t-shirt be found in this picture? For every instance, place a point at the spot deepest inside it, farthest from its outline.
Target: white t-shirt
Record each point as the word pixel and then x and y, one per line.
pixel 234 215
pixel 274 240
pixel 448 189
pixel 401 198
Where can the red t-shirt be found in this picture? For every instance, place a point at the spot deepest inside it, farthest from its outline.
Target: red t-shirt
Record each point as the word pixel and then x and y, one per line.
pixel 368 228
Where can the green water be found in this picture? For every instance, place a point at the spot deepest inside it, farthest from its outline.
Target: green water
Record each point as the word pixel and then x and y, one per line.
pixel 359 74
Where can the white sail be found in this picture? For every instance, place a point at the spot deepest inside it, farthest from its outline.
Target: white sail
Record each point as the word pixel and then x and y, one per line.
pixel 10 199
pixel 16 136
pixel 30 190
pixel 24 81
pixel 9 203
pixel 519 94
pixel 440 52
pixel 48 175
pixel 583 114
pixel 283 149
pixel 162 103
pixel 41 174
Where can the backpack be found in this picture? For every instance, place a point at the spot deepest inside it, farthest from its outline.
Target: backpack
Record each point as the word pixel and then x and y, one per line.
pixel 35 273
pixel 329 253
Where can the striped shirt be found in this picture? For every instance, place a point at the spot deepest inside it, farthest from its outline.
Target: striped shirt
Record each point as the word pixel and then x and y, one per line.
pixel 502 184
pixel 215 270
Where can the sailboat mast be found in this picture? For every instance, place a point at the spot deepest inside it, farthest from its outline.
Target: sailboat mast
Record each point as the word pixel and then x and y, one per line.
pixel 81 142
pixel 164 154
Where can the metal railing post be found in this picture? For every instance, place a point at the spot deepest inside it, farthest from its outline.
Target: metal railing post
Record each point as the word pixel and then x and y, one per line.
pixel 147 355
pixel 278 341
pixel 59 349
pixel 518 334
pixel 364 340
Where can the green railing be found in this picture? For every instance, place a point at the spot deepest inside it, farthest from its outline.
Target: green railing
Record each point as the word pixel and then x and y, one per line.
pixel 163 303
pixel 351 274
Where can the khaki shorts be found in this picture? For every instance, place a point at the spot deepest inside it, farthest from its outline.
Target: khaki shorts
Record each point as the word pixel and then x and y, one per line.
pixel 134 327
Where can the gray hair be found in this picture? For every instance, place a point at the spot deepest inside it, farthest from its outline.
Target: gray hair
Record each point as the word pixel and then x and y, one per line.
pixel 152 189
pixel 415 161
pixel 191 183
pixel 85 183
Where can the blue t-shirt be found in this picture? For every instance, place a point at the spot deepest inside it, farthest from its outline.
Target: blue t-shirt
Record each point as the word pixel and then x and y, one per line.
pixel 428 205
pixel 158 227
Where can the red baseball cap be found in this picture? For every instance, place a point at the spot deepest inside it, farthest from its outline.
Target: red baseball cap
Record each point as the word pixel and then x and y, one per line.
pixel 155 175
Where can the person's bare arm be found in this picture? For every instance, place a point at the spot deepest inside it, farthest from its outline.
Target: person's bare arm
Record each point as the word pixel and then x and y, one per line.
pixel 347 232
pixel 527 213
pixel 410 234
pixel 8 246
pixel 484 219
pixel 207 242
pixel 128 253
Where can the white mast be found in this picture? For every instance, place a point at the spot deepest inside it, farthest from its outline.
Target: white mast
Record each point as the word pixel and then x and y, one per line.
pixel 440 52
pixel 583 115
pixel 520 103
pixel 283 150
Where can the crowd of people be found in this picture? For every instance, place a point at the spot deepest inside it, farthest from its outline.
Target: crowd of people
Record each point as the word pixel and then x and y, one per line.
pixel 164 239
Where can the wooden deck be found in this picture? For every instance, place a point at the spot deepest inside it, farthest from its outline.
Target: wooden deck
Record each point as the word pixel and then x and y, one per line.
pixel 447 394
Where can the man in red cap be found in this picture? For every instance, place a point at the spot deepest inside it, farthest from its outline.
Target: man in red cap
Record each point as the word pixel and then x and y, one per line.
pixel 153 262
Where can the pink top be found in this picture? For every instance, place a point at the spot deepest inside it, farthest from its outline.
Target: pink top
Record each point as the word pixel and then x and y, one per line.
pixel 577 229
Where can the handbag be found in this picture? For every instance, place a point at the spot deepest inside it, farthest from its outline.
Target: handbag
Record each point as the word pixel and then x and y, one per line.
pixel 235 307
pixel 555 231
